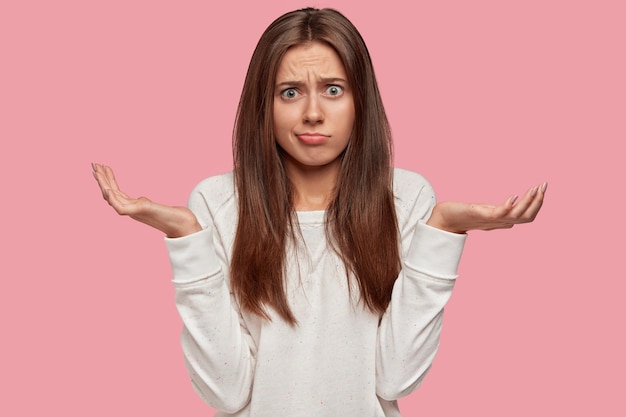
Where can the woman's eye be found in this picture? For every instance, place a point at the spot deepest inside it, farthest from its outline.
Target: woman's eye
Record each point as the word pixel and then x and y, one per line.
pixel 289 93
pixel 334 90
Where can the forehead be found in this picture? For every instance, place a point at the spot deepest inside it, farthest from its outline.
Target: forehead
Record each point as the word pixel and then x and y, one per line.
pixel 310 59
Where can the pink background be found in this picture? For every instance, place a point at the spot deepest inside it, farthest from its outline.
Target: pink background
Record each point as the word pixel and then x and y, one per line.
pixel 486 99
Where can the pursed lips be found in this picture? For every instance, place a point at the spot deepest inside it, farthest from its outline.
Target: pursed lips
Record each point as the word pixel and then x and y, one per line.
pixel 312 138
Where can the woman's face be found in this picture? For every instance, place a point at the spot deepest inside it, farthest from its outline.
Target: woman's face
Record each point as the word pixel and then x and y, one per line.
pixel 313 107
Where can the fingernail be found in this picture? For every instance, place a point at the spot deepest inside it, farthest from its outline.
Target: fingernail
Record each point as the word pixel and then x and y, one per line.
pixel 544 187
pixel 514 199
pixel 93 166
pixel 533 192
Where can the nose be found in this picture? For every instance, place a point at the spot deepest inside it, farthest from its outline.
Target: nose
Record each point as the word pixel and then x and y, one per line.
pixel 313 112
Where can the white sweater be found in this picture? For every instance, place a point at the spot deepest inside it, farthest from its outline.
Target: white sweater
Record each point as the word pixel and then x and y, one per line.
pixel 341 360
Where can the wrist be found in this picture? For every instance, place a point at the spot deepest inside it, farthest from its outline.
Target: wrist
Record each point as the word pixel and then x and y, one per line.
pixel 184 231
pixel 437 220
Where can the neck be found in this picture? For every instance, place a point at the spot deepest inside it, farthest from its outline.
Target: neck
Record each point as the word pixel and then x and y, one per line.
pixel 313 186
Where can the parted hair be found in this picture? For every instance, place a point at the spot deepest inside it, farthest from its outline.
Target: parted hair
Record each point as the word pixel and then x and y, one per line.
pixel 360 221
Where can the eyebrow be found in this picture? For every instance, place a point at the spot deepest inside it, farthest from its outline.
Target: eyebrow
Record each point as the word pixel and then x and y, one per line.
pixel 299 83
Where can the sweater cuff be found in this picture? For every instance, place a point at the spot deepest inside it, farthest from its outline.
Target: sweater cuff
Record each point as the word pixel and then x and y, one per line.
pixel 435 252
pixel 193 256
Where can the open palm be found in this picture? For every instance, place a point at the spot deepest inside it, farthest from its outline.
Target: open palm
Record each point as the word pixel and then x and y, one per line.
pixel 173 221
pixel 458 217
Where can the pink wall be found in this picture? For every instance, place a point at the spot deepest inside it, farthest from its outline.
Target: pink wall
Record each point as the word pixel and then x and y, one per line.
pixel 486 99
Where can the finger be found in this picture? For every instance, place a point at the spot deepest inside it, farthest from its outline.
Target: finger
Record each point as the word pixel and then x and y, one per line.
pixel 112 181
pixel 100 175
pixel 101 179
pixel 110 177
pixel 524 203
pixel 501 211
pixel 120 202
pixel 97 168
pixel 534 207
pixel 529 206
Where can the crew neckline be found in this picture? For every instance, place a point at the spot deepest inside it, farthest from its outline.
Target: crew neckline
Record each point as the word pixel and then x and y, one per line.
pixel 311 217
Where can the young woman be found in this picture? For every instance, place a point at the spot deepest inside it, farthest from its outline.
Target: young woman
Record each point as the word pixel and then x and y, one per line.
pixel 311 280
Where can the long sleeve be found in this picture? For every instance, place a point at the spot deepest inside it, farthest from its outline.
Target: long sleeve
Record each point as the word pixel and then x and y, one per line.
pixel 215 343
pixel 408 334
pixel 327 365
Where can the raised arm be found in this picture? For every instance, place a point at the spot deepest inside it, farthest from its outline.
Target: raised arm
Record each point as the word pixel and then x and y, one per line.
pixel 215 344
pixel 409 331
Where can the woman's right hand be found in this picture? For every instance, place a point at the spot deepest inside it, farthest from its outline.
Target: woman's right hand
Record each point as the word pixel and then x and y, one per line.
pixel 173 221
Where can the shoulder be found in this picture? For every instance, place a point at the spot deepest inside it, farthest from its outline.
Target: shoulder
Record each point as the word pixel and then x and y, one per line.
pixel 213 195
pixel 414 197
pixel 405 181
pixel 217 187
pixel 409 186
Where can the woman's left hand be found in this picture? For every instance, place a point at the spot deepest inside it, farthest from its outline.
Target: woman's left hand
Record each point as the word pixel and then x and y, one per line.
pixel 457 217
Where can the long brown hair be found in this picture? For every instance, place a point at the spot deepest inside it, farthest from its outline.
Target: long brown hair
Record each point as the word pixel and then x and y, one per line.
pixel 361 222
